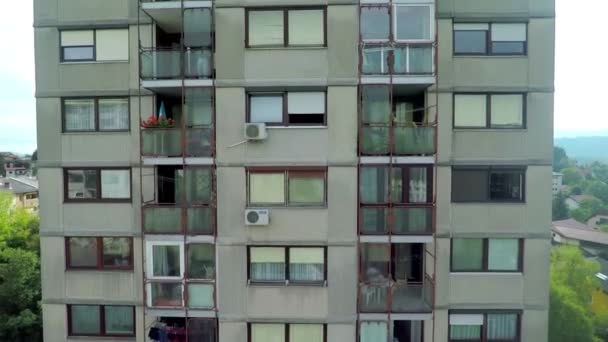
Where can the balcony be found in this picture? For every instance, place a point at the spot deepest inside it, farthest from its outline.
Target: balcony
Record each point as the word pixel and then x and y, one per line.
pixel 397 139
pixel 396 220
pixel 166 67
pixel 160 142
pixel 396 297
pixel 406 63
pixel 174 219
pixel 167 14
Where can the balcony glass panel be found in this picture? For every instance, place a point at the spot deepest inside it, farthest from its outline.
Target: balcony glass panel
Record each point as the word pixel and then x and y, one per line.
pixel 411 297
pixel 374 221
pixel 200 221
pixel 199 185
pixel 198 63
pixel 161 64
pixel 200 296
pixel 375 60
pixel 412 221
pixel 199 142
pixel 197 27
pixel 198 106
pixel 162 220
pixel 374 298
pixel 413 59
pixel 375 140
pixel 376 108
pixel 166 294
pixel 414 140
pixel 161 142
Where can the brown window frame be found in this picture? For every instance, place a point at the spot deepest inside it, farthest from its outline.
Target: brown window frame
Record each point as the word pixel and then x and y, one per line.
pixel 484 326
pixel 102 321
pixel 99 253
pixel 285 118
pixel 285 11
pixel 485 257
pixel 96 109
pixel 287 280
pixel 320 172
pixel 489 170
pixel 98 198
pixel 488 96
pixel 488 41
pixel 287 327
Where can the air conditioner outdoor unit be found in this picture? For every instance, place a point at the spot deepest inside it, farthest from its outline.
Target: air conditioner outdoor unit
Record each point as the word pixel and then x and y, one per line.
pixel 257 217
pixel 255 131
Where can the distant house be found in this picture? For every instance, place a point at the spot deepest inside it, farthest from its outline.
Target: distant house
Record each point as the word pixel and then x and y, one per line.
pixel 557 183
pixel 575 201
pixel 597 220
pixel 24 191
pixel 14 169
pixel 8 156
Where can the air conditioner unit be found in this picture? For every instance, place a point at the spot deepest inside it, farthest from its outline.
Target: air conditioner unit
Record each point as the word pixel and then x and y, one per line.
pixel 257 217
pixel 255 131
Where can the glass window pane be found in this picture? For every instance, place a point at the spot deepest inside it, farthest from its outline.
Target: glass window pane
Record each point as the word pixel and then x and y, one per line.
pixel 267 188
pixel 467 254
pixel 511 48
pixel 510 32
pixel 375 259
pixel 306 333
pixel 119 320
pixel 113 114
pixel 502 327
pixel 265 28
pixel 115 184
pixel 306 102
pixel 507 110
pixel 83 53
pixel 198 106
pixel 375 140
pixel 201 261
pixel 465 332
pixel 85 320
pixel 112 45
pixel 469 185
pixel 200 296
pixel 374 221
pixel 266 108
pixel 503 255
pixel 202 329
pixel 200 221
pixel 470 42
pixel 413 22
pixel 116 252
pixel 470 110
pixel 306 27
pixel 82 184
pixel 267 332
pixel 373 187
pixel 83 252
pixel 79 115
pixel 375 23
pixel 166 261
pixel 397 186
pixel 267 263
pixel 197 27
pixel 306 189
pixel 375 60
pixel 418 185
pixel 199 185
pixel 506 185
pixel 306 264
pixel 376 104
pixel 373 332
pixel 166 294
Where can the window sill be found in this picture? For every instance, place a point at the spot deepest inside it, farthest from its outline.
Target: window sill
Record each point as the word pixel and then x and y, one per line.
pixel 295 127
pixel 482 129
pixel 97 338
pixel 286 283
pixel 99 270
pixel 489 56
pixel 283 48
pixel 274 206
pixel 121 132
pixel 486 273
pixel 93 62
pixel 491 202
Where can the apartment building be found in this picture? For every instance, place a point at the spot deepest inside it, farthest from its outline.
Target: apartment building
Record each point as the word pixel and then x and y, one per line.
pixel 291 171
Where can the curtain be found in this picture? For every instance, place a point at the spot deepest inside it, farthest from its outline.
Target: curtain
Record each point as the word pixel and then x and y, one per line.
pixel 166 261
pixel 306 27
pixel 404 112
pixel 502 326
pixel 306 264
pixel 397 185
pixel 266 188
pixel 267 332
pixel 306 333
pixel 415 332
pixel 306 190
pixel 470 110
pixel 200 296
pixel 418 185
pixel 86 319
pixel 465 332
pixel 119 320
pixel 267 263
pixel 265 28
pixel 113 114
pixel 79 115
pixel 115 184
pixel 373 184
pixel 374 332
pixel 266 108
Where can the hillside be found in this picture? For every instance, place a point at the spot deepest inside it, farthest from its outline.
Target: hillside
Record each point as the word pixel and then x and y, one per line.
pixel 585 149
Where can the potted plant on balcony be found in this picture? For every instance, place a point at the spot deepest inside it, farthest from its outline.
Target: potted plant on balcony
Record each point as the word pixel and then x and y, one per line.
pixel 158 122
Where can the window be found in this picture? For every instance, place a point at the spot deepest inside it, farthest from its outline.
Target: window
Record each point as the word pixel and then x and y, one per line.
pixel 165 260
pixel 285 27
pixel 104 253
pixel 288 108
pixel 487 255
pixel 372 331
pixel 274 332
pixel 201 261
pixel 382 262
pixel 95 114
pixel 288 187
pixel 490 39
pixel 501 326
pixel 489 110
pixel 95 45
pixel 101 320
pixel 402 331
pixel 97 184
pixel 488 184
pixel 410 23
pixel 295 264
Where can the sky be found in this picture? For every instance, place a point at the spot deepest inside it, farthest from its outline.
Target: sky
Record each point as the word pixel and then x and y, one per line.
pixel 581 75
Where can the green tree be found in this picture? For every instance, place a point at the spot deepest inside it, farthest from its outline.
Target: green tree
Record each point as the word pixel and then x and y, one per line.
pixel 559 208
pixel 572 284
pixel 571 175
pixel 2 169
pixel 18 227
pixel 587 209
pixel 560 159
pixel 604 228
pixel 598 189
pixel 600 171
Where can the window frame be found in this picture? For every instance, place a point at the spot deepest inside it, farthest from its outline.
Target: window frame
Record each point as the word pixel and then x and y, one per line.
pixel 485 258
pixel 488 41
pixel 285 12
pixel 488 99
pixel 62 59
pixel 102 321
pixel 98 198
pixel 392 24
pixel 484 325
pixel 261 170
pixel 285 117
pixel 287 281
pixel 522 169
pixel 100 254
pixel 96 113
pixel 149 262
pixel 287 326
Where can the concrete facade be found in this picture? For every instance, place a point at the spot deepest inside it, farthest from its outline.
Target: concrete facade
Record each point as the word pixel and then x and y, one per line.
pixel 334 146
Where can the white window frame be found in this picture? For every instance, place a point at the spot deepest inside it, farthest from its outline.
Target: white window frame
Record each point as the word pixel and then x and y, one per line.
pixel 149 294
pixel 150 259
pixel 431 23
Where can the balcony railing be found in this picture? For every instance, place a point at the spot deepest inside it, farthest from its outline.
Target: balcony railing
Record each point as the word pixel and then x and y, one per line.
pixel 162 64
pixel 397 59
pixel 396 221
pixel 170 294
pixel 171 219
pixel 398 297
pixel 398 139
pixel 161 142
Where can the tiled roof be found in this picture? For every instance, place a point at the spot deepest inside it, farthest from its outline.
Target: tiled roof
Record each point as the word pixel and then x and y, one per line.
pixel 581 198
pixel 571 223
pixel 583 232
pixel 19 185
